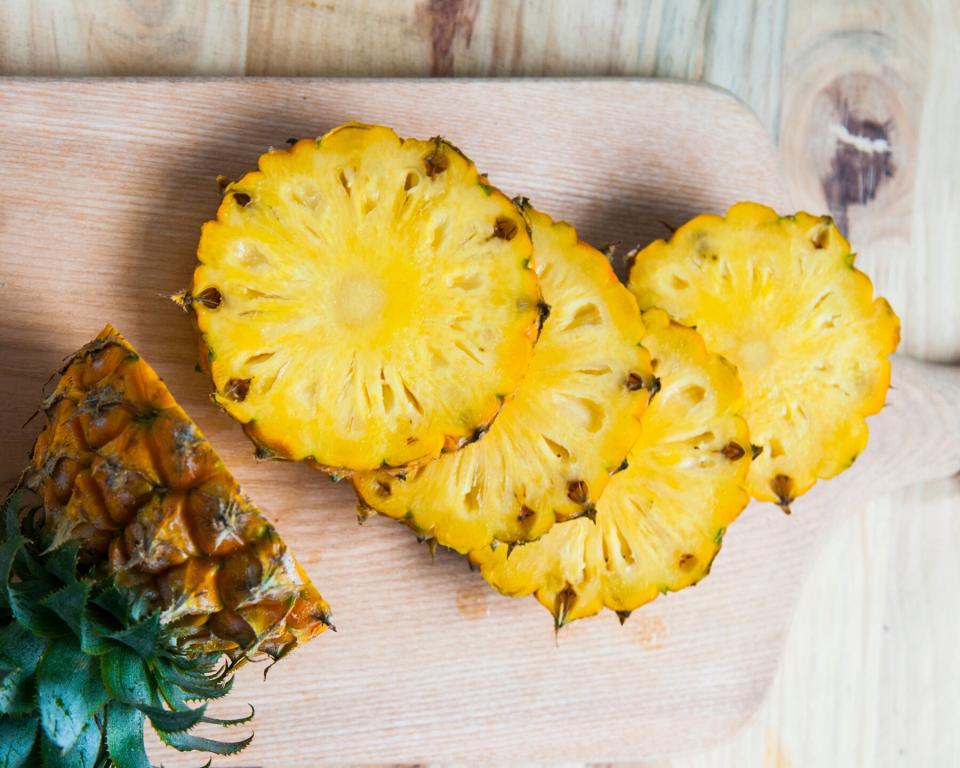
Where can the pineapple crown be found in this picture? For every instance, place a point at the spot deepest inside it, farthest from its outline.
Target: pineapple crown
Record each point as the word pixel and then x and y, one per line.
pixel 83 663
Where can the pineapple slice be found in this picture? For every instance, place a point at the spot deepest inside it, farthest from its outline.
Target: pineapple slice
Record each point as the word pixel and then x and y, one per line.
pixel 659 522
pixel 555 445
pixel 365 301
pixel 124 471
pixel 780 298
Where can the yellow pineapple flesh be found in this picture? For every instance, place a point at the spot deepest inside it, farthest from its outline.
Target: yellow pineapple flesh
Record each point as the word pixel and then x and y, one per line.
pixel 556 444
pixel 659 523
pixel 365 301
pixel 121 468
pixel 779 297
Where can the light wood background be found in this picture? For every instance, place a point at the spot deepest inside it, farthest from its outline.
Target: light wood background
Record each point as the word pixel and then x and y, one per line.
pixel 861 98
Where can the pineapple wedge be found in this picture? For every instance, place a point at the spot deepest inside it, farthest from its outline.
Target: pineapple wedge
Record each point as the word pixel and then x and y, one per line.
pixel 124 471
pixel 779 297
pixel 365 301
pixel 659 523
pixel 556 444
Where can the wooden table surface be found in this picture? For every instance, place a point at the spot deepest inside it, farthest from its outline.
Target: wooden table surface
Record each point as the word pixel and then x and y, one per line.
pixel 861 98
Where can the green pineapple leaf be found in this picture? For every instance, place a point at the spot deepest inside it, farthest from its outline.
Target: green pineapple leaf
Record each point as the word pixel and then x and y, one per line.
pixel 172 694
pixel 70 604
pixel 173 720
pixel 186 742
pixel 11 516
pixel 232 721
pixel 126 677
pixel 125 736
pixel 62 562
pixel 142 638
pixel 27 566
pixel 94 635
pixel 115 601
pixel 8 553
pixel 17 736
pixel 199 686
pixel 26 606
pixel 69 692
pixel 16 692
pixel 20 648
pixel 83 754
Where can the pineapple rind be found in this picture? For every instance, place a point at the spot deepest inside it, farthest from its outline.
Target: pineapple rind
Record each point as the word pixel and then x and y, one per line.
pixel 555 444
pixel 122 469
pixel 779 296
pixel 375 300
pixel 659 522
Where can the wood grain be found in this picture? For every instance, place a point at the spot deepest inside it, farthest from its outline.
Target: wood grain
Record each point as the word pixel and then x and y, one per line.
pixel 857 139
pixel 144 37
pixel 766 53
pixel 120 234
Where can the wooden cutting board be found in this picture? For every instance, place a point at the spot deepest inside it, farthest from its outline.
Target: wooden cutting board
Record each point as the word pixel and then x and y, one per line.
pixel 105 185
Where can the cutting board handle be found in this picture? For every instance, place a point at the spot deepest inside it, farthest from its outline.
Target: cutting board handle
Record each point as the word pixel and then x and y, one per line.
pixel 917 435
pixel 914 439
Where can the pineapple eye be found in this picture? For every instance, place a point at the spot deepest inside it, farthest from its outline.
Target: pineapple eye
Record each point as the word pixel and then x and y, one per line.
pixel 210 297
pixel 436 162
pixel 505 229
pixel 237 389
pixel 242 199
pixel 821 235
pixel 525 513
pixel 733 451
pixel 782 486
pixel 543 310
pixel 578 491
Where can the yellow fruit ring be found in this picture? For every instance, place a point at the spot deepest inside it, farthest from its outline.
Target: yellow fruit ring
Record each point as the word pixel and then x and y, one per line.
pixel 365 301
pixel 780 298
pixel 659 523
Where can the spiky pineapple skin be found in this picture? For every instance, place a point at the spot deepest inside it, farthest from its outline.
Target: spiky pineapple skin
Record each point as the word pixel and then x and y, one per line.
pixel 780 297
pixel 321 268
pixel 659 522
pixel 84 663
pixel 558 441
pixel 121 468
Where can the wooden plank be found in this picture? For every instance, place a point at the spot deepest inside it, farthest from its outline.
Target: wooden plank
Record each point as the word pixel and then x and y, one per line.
pixel 119 37
pixel 428 663
pixel 868 133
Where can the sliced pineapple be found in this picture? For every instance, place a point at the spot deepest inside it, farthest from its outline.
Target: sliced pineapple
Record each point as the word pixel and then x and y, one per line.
pixel 780 298
pixel 365 301
pixel 659 522
pixel 555 445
